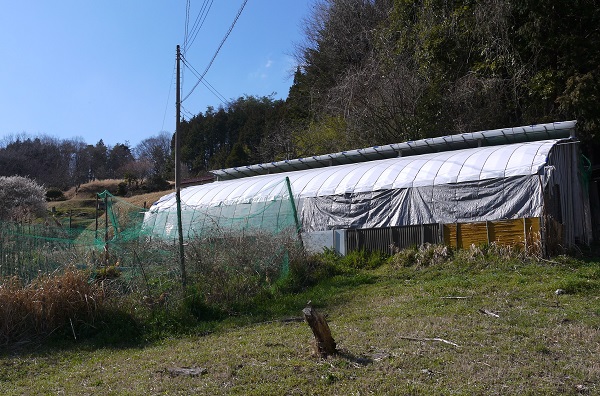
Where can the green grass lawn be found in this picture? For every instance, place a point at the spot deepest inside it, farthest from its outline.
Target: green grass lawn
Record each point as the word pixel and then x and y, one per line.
pixel 390 325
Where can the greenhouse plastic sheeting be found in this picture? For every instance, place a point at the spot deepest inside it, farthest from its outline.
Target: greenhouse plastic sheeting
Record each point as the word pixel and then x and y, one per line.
pixel 477 183
pixel 509 198
pixel 273 215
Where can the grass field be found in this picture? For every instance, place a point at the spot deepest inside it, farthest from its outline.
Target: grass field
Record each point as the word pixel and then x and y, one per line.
pixel 475 325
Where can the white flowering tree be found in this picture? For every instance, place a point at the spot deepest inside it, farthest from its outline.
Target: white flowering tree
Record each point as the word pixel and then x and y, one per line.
pixel 21 198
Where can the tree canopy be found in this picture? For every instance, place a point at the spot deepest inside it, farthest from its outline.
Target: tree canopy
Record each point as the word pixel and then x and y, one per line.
pixel 372 72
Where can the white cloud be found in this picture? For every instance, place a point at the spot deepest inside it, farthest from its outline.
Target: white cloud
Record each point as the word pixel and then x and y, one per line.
pixel 262 73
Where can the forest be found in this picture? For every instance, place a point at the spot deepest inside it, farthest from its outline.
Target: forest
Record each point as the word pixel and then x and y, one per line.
pixel 372 72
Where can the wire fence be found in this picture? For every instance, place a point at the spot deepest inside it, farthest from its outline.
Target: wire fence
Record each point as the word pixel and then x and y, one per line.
pixel 248 241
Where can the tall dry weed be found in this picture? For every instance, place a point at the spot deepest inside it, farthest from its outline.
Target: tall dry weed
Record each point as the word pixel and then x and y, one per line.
pixel 231 269
pixel 45 305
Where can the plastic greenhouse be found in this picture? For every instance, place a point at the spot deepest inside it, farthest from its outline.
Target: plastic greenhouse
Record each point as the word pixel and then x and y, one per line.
pixel 528 175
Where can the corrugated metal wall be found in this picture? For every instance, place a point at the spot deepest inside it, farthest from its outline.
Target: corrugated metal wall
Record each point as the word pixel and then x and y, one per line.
pixel 390 238
pixel 523 232
pixel 567 200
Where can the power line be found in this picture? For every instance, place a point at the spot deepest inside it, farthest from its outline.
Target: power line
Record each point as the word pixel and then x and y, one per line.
pixel 185 35
pixel 212 89
pixel 217 51
pixel 198 23
pixel 187 112
pixel 162 128
pixel 187 22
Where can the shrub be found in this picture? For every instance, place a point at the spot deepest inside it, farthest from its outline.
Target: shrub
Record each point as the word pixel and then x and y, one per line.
pixel 122 189
pixel 21 198
pixel 474 256
pixel 362 259
pixel 307 270
pixel 107 273
pixel 484 255
pixel 423 256
pixel 156 183
pixel 54 194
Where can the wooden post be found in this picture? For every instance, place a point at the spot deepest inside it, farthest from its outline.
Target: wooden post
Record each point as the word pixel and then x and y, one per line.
pixel 525 233
pixel 457 236
pixel 324 344
pixel 97 203
pixel 105 228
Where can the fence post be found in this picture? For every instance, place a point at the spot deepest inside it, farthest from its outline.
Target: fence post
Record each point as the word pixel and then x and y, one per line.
pixel 105 228
pixel 96 230
pixel 525 233
pixel 457 236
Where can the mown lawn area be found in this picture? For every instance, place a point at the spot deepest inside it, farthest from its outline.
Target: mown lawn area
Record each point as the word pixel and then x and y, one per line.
pixel 462 327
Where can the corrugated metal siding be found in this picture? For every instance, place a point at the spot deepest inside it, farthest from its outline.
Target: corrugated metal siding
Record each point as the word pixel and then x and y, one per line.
pixel 569 202
pixel 389 239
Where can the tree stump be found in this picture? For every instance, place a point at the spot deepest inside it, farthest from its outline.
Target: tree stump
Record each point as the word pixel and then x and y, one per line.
pixel 324 345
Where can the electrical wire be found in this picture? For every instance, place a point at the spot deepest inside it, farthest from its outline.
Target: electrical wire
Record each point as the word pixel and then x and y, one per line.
pixel 162 128
pixel 217 51
pixel 186 31
pixel 187 112
pixel 187 22
pixel 198 23
pixel 212 89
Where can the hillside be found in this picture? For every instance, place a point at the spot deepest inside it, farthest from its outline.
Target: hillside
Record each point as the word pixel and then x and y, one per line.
pixel 80 204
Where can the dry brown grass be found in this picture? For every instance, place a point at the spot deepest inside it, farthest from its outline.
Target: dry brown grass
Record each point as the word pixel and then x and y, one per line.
pixel 89 190
pixel 149 198
pixel 46 304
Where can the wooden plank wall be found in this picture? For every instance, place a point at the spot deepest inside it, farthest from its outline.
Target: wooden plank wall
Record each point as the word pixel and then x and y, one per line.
pixel 523 232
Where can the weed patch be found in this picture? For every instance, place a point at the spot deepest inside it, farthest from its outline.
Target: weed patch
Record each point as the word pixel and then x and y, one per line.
pixel 48 304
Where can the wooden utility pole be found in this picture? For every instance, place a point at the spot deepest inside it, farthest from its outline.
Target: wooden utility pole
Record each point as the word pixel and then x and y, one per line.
pixel 178 169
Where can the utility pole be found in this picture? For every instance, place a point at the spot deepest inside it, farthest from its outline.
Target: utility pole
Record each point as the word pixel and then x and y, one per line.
pixel 178 170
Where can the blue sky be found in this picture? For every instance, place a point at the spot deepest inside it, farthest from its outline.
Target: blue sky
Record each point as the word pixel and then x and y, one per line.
pixel 105 69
